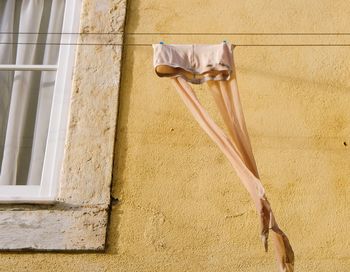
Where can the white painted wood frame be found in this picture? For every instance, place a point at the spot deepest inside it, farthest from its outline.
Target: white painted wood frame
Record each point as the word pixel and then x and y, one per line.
pixel 46 192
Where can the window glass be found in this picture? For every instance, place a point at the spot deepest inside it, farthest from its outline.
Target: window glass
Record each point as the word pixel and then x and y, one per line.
pixel 30 34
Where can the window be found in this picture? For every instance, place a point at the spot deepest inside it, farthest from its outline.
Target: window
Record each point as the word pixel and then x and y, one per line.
pixel 77 220
pixel 36 66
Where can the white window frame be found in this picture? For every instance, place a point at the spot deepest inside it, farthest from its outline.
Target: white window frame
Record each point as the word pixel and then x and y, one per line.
pixel 47 191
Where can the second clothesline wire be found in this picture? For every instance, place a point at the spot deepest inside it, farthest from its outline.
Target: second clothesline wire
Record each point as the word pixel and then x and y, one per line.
pixel 181 34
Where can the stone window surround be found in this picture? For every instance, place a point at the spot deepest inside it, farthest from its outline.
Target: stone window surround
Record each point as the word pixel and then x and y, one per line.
pixel 78 220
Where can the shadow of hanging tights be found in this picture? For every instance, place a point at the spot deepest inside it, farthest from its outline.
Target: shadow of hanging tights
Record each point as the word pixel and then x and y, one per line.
pixel 214 64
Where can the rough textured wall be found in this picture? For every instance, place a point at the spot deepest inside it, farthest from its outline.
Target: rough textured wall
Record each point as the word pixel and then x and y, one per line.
pixel 181 206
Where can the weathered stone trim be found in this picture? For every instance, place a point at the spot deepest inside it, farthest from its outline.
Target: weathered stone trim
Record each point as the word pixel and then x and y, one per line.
pixel 82 229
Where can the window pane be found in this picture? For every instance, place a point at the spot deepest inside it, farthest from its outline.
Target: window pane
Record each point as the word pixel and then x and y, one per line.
pixel 5 96
pixel 24 131
pixel 26 96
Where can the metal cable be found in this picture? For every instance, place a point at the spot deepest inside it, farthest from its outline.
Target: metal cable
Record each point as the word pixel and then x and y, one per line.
pixel 150 44
pixel 182 34
pixel 191 33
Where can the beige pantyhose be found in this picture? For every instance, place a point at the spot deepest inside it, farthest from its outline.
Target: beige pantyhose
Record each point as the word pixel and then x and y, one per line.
pixel 189 63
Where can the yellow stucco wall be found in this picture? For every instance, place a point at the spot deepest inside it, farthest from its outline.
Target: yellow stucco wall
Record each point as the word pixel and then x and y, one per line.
pixel 181 206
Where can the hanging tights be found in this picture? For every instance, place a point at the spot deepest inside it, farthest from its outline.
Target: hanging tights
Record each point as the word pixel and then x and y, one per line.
pixel 214 64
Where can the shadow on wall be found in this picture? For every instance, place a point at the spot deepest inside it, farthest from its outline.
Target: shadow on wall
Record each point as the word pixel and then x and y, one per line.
pixel 120 150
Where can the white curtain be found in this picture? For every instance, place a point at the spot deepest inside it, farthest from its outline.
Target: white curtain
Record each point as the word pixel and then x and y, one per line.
pixel 26 96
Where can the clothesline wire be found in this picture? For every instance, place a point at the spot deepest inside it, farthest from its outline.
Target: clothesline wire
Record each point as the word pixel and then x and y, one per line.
pixel 149 44
pixel 189 33
pixel 180 34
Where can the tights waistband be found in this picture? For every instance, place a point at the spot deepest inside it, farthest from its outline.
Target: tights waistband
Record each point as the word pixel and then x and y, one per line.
pixel 195 63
